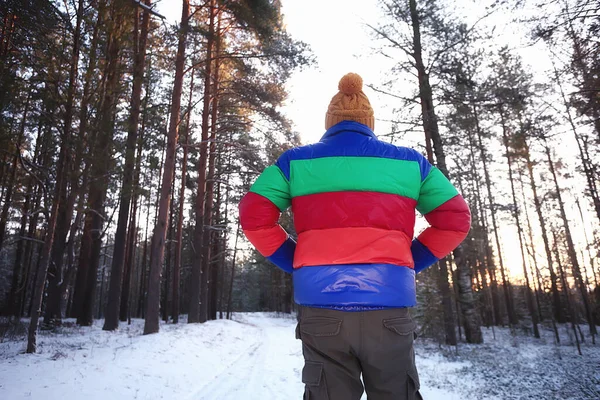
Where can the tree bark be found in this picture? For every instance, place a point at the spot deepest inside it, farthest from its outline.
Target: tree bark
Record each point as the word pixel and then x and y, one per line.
pixel 53 312
pixel 113 307
pixel 199 278
pixel 207 274
pixel 80 290
pixel 101 160
pixel 179 234
pixel 556 306
pixel 158 237
pixel 512 320
pixel 430 127
pixel 515 212
pixel 571 250
pixel 567 291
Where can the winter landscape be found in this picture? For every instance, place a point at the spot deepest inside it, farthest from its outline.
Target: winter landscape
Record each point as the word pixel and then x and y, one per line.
pixel 132 135
pixel 255 356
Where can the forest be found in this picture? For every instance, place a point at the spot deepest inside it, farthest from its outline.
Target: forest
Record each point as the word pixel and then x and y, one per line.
pixel 127 142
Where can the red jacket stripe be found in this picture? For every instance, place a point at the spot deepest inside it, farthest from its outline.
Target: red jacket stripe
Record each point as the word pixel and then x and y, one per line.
pixel 352 246
pixel 354 209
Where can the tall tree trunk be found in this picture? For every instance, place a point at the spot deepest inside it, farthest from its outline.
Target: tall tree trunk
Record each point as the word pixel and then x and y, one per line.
pixel 430 126
pixel 198 277
pixel 567 291
pixel 144 267
pixel 130 257
pixel 556 306
pixel 571 250
pixel 168 258
pixel 160 230
pixel 101 158
pixel 207 265
pixel 116 276
pixel 16 286
pixel 66 203
pixel 129 254
pixel 36 305
pixel 512 320
pixel 179 234
pixel 515 212
pixel 80 290
pixel 535 275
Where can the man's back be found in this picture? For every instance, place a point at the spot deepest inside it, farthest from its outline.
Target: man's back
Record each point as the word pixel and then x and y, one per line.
pixel 353 198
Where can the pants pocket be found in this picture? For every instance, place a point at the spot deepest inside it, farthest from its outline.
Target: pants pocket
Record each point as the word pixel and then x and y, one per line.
pixel 313 378
pixel 320 326
pixel 403 326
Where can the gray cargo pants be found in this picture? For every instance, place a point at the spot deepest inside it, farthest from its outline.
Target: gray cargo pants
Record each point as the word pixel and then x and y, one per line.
pixel 338 346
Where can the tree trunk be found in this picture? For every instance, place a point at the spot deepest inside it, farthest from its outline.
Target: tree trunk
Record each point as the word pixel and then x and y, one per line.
pixel 101 160
pixel 207 274
pixel 430 126
pixel 15 286
pixel 167 264
pixel 160 230
pixel 116 276
pixel 470 318
pixel 556 306
pixel 36 305
pixel 512 320
pixel 80 290
pixel 567 291
pixel 179 234
pixel 515 212
pixel 199 278
pixel 535 275
pixel 66 203
pixel 571 251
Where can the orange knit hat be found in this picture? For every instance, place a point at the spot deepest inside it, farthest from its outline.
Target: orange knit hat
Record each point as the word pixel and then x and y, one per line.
pixel 350 104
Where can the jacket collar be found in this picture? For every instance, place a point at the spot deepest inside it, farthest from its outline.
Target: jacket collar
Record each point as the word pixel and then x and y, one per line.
pixel 348 126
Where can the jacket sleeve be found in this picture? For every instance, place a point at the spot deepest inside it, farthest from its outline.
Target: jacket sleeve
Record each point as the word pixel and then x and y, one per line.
pixel 449 218
pixel 260 210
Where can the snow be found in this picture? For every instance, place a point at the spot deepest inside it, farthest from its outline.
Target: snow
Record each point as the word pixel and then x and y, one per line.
pixel 256 356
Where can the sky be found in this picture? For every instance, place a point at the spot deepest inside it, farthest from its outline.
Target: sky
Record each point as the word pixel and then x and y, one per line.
pixel 341 42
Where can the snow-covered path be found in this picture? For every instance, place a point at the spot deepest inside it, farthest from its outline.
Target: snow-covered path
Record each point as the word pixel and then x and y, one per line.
pixel 269 368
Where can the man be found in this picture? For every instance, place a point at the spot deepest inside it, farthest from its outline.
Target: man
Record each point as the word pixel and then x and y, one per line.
pixel 354 198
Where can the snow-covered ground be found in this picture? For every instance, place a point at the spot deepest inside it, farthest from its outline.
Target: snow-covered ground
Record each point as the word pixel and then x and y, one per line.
pixel 257 357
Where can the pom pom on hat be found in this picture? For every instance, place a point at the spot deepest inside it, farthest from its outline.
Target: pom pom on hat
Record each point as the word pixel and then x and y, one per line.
pixel 350 84
pixel 350 103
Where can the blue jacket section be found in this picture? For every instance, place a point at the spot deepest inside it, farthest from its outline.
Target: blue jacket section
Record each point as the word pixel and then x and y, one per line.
pixel 355 287
pixel 284 256
pixel 421 256
pixel 347 139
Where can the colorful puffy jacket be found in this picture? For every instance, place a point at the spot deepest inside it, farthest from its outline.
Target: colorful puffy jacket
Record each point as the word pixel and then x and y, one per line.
pixel 353 198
